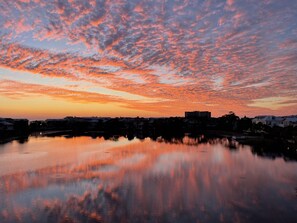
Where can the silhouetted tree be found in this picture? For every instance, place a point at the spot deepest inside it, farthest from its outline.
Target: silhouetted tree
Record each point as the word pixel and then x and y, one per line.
pixel 229 121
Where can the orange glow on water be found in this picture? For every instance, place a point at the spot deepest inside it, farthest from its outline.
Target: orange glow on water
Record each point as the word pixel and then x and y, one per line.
pixel 151 178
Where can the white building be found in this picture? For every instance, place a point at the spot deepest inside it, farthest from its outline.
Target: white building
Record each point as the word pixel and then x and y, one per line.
pixel 290 121
pixel 271 121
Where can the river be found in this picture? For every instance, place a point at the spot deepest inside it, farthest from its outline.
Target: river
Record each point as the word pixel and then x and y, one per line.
pixel 80 179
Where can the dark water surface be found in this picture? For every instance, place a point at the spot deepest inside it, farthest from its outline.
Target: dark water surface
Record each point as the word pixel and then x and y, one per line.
pixel 96 180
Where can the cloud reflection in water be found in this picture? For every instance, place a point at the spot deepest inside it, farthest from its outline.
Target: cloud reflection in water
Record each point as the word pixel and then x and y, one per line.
pixel 151 182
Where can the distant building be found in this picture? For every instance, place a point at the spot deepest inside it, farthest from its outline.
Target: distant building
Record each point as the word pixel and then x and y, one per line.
pixel 6 126
pixel 265 120
pixel 13 125
pixel 290 121
pixel 54 124
pixel 198 114
pixel 283 121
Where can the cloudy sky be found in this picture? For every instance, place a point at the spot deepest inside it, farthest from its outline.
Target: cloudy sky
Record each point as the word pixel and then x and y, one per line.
pixel 147 57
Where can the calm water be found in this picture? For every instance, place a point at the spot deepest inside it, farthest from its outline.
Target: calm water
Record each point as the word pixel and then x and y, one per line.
pixel 92 180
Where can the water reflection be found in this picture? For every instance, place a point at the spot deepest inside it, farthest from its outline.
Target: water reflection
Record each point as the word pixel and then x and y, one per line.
pixel 266 148
pixel 188 180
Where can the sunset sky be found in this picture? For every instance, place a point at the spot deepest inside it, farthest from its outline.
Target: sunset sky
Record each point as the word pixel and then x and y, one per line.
pixel 147 57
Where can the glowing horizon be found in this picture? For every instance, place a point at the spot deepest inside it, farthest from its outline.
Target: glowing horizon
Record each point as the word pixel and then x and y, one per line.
pixel 147 58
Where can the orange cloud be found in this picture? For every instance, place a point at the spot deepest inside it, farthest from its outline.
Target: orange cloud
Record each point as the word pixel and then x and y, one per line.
pixel 208 54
